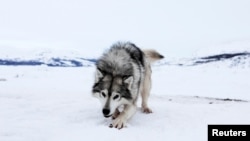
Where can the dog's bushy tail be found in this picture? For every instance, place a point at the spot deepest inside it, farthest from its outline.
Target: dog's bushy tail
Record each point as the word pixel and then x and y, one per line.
pixel 152 55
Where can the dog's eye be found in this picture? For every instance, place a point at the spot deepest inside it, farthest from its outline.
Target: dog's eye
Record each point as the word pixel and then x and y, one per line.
pixel 116 96
pixel 103 94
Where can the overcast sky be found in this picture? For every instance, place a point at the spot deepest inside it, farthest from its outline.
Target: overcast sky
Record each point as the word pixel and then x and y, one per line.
pixel 177 27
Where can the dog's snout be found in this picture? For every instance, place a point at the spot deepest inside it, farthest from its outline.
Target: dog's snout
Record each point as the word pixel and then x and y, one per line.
pixel 105 111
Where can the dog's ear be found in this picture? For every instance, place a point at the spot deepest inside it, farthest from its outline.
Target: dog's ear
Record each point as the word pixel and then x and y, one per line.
pixel 98 75
pixel 129 81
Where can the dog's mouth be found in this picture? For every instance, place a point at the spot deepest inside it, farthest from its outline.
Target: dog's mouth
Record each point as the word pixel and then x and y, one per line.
pixel 107 116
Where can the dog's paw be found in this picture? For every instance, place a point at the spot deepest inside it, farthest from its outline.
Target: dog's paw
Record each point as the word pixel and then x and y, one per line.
pixel 147 110
pixel 118 123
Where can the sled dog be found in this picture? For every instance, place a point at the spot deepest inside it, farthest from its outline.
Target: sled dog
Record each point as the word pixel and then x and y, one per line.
pixel 122 73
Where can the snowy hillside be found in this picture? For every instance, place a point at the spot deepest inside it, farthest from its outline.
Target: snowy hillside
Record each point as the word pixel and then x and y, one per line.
pixel 228 55
pixel 235 57
pixel 231 60
pixel 241 59
pixel 45 57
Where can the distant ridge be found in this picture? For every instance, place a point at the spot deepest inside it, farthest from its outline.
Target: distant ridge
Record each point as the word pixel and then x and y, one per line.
pixel 52 62
pixel 221 57
pixel 239 59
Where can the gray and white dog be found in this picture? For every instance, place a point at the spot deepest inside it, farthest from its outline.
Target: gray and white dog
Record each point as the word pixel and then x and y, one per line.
pixel 122 73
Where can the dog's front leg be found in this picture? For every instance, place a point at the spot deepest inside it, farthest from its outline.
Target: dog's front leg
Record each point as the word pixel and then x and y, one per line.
pixel 127 113
pixel 116 114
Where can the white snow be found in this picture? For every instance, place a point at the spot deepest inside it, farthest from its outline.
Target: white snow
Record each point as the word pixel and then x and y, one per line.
pixel 48 104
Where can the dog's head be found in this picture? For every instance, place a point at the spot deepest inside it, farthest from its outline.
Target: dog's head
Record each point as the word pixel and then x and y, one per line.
pixel 112 91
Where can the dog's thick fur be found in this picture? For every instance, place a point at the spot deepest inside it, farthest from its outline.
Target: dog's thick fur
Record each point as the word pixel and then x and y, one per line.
pixel 122 73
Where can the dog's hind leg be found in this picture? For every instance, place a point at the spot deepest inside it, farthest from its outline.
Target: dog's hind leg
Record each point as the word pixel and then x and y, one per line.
pixel 146 87
pixel 151 56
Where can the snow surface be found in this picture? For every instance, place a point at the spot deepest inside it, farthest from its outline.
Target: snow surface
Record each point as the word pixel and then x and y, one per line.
pixel 47 104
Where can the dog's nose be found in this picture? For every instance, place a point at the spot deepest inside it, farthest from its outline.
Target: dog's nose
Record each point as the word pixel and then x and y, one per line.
pixel 105 111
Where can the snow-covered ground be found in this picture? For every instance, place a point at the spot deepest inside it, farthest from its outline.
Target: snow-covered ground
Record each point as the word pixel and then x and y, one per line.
pixel 47 104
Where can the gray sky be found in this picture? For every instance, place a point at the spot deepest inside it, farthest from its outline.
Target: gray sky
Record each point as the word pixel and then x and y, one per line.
pixel 176 27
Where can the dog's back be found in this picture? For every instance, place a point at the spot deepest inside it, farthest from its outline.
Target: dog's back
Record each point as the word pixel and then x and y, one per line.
pixel 120 58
